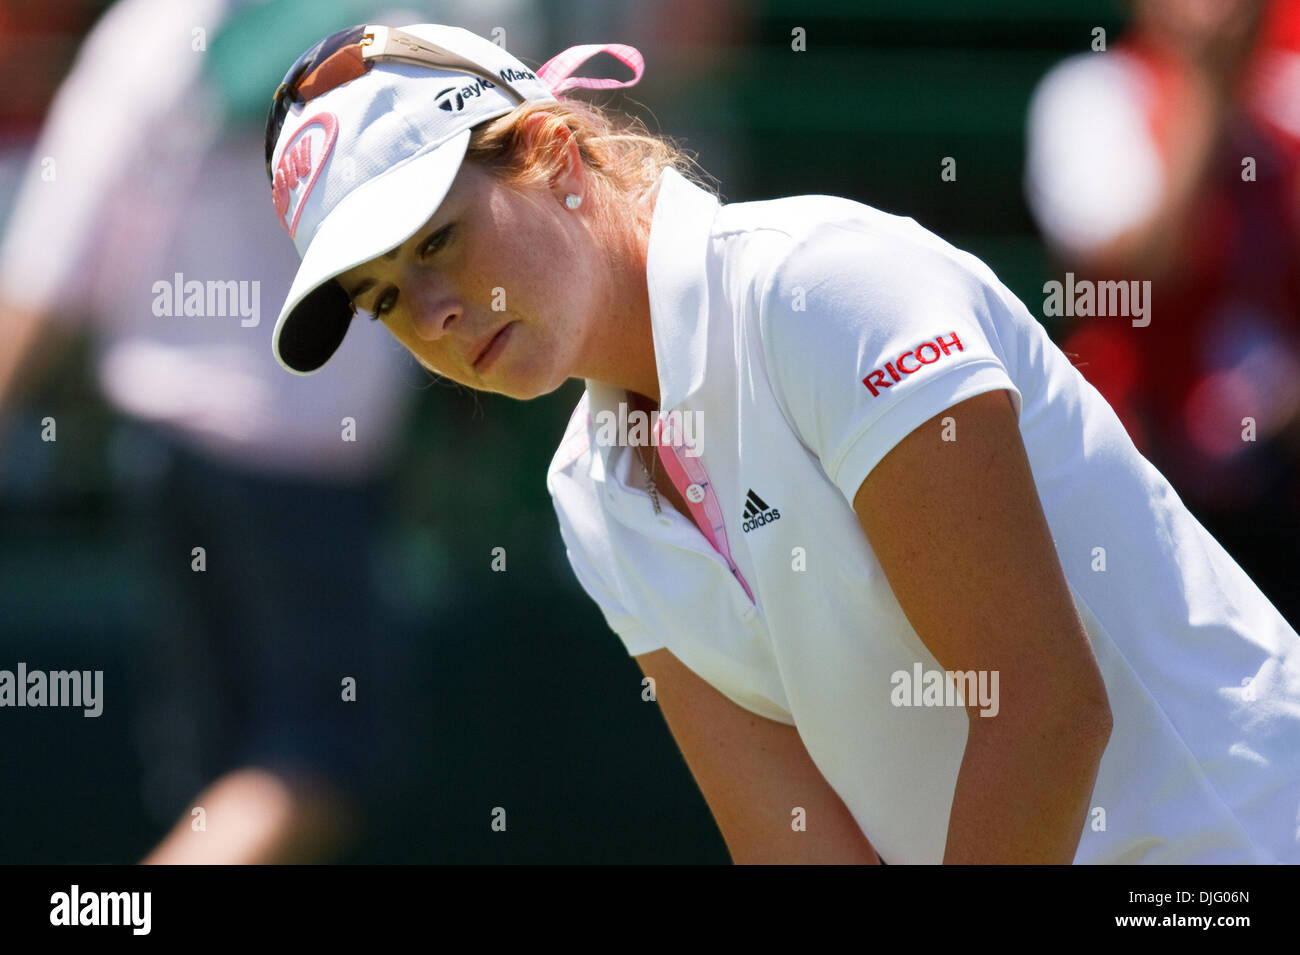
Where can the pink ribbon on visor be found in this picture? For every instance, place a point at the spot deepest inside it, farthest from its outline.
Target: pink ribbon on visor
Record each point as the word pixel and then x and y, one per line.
pixel 557 72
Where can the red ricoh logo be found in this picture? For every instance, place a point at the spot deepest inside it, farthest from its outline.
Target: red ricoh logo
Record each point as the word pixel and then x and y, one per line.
pixel 910 362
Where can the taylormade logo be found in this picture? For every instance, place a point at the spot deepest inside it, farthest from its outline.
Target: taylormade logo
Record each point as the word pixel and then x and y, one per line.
pixel 511 75
pixel 453 99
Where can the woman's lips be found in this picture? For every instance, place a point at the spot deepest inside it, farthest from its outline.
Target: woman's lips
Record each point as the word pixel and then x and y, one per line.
pixel 494 349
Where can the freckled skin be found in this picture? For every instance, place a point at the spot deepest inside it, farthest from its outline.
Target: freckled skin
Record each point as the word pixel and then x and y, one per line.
pixel 578 297
pixel 501 239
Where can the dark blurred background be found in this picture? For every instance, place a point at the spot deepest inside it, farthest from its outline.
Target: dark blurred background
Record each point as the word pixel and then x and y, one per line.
pixel 510 691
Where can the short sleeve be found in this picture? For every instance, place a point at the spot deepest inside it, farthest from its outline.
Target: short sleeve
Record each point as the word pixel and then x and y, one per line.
pixel 567 495
pixel 870 332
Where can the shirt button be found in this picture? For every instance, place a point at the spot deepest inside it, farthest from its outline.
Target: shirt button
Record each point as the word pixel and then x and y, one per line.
pixel 664 520
pixel 695 493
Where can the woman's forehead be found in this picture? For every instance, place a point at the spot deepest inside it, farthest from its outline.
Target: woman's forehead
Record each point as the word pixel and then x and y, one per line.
pixel 357 273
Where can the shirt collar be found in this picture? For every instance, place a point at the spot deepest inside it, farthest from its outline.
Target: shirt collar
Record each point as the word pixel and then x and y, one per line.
pixel 677 278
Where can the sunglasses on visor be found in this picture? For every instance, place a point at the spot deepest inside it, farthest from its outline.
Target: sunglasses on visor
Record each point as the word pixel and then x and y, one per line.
pixel 349 54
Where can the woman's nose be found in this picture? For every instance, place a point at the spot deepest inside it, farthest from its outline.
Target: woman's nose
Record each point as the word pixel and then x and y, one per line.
pixel 433 309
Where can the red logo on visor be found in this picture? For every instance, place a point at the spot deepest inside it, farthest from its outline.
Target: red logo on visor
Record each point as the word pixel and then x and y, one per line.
pixel 300 164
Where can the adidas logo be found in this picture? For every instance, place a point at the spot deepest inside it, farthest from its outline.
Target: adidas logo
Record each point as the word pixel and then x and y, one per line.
pixel 757 513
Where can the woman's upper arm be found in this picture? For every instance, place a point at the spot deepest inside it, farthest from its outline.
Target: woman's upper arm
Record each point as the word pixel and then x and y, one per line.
pixel 961 536
pixel 754 773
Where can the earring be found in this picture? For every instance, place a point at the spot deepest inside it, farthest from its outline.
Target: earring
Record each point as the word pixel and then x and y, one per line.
pixel 572 200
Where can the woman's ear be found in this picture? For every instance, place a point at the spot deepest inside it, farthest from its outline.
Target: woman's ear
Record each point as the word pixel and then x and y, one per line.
pixel 550 136
pixel 530 130
pixel 572 179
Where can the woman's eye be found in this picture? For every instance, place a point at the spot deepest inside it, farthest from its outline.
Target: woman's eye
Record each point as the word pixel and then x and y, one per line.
pixel 383 305
pixel 435 241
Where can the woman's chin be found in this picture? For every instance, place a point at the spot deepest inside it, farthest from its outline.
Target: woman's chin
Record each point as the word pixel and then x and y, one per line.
pixel 520 392
pixel 525 387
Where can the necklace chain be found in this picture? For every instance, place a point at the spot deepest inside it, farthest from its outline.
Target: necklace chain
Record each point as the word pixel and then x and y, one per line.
pixel 649 476
pixel 654 492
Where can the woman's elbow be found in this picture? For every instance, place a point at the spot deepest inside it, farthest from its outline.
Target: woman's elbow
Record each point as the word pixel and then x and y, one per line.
pixel 1081 717
pixel 1086 723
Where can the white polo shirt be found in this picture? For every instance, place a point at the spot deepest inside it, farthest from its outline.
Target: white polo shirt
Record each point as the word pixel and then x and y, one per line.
pixel 810 335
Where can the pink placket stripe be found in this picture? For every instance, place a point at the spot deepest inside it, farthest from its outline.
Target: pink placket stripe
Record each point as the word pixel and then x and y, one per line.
pixel 685 470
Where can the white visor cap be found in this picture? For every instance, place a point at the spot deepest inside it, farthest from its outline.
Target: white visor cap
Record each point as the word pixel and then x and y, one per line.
pixel 358 169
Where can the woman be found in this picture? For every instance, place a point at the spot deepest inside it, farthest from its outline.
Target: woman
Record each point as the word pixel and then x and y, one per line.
pixel 900 579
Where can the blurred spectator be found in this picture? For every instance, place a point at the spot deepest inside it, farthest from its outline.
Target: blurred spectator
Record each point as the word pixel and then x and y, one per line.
pixel 139 186
pixel 37 42
pixel 1174 157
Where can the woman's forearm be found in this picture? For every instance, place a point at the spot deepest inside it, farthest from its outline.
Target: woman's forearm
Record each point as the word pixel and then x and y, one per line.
pixel 1022 792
